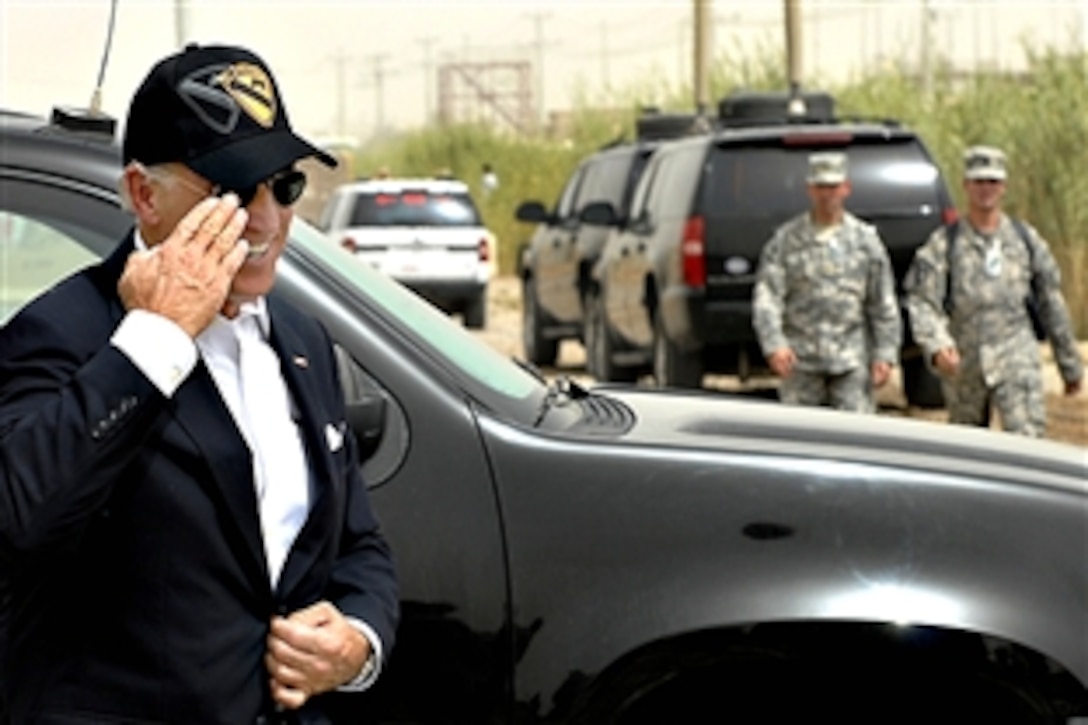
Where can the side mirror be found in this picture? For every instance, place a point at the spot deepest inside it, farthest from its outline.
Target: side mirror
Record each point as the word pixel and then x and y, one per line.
pixel 599 213
pixel 366 416
pixel 531 211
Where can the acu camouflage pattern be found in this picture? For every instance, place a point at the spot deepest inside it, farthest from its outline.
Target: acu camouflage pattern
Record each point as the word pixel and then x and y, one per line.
pixel 833 303
pixel 1000 365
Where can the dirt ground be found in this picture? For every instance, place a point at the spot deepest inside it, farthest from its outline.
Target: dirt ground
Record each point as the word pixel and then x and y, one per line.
pixel 1067 417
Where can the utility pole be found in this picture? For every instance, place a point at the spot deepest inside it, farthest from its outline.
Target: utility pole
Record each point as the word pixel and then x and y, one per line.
pixel 340 61
pixel 181 23
pixel 703 27
pixel 793 43
pixel 428 76
pixel 925 62
pixel 604 54
pixel 379 91
pixel 538 24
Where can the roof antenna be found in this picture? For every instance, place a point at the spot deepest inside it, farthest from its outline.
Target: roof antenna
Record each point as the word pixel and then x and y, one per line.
pixel 91 120
pixel 96 97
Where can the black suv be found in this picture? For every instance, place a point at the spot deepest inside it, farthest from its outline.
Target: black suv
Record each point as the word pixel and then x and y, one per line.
pixel 628 555
pixel 676 277
pixel 555 264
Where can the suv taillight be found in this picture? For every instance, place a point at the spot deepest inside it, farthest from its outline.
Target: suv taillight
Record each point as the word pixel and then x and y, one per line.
pixel 949 216
pixel 483 250
pixel 693 252
pixel 349 244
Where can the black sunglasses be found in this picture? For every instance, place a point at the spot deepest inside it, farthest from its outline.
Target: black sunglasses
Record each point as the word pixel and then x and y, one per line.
pixel 286 186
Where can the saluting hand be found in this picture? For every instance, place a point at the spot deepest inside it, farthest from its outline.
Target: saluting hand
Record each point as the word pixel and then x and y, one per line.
pixel 313 650
pixel 187 277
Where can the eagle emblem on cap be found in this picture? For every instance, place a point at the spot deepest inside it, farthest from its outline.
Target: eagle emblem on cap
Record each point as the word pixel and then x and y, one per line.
pixel 251 88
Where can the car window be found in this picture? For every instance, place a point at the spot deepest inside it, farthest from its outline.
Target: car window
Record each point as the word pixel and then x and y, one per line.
pixel 638 167
pixel 33 256
pixel 605 180
pixel 473 357
pixel 675 183
pixel 642 189
pixel 413 208
pixel 770 181
pixel 565 205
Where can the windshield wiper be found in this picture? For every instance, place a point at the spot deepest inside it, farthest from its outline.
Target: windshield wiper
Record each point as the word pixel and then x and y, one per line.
pixel 562 391
pixel 529 368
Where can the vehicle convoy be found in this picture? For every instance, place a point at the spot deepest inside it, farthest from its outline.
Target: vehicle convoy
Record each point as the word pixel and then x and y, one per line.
pixel 425 233
pixel 675 278
pixel 632 555
pixel 555 265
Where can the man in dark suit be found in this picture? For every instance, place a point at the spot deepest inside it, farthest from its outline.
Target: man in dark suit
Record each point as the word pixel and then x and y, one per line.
pixel 188 535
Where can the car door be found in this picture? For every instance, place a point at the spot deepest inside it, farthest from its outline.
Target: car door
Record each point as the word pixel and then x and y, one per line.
pixel 624 265
pixel 555 258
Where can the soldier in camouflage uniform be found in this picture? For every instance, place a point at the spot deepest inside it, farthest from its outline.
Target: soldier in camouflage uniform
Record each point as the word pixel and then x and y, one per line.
pixel 824 304
pixel 978 335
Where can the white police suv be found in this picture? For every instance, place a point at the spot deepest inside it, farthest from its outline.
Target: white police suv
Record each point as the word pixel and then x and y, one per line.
pixel 425 233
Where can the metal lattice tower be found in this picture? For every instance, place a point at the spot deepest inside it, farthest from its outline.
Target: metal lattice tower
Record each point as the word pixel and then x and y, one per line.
pixel 498 93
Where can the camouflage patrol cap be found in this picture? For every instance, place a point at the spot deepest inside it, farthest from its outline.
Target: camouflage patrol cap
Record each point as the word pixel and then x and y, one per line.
pixel 984 162
pixel 826 168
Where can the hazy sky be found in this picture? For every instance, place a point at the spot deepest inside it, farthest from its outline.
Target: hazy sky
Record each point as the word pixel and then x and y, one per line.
pixel 328 56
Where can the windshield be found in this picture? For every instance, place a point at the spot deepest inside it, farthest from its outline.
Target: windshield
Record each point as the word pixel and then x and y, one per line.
pixel 413 208
pixel 770 181
pixel 474 359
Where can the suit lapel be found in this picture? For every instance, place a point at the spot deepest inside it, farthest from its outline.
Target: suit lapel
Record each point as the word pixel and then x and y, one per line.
pixel 200 410
pixel 304 382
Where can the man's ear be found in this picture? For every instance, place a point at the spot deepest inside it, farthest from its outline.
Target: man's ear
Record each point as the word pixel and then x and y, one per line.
pixel 139 195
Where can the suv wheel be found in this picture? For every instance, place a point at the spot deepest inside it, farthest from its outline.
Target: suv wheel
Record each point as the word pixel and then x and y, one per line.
pixel 599 348
pixel 475 314
pixel 539 350
pixel 674 368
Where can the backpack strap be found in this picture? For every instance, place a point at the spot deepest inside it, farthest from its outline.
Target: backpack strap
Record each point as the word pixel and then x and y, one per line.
pixel 951 231
pixel 1028 242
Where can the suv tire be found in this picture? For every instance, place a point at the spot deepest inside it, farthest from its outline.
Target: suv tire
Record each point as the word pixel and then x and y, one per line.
pixel 674 368
pixel 599 346
pixel 539 350
pixel 475 314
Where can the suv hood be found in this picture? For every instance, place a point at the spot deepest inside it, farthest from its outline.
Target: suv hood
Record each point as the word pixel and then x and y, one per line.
pixel 726 423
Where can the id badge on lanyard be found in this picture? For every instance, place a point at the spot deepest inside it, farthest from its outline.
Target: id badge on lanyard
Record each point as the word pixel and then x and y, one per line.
pixel 993 262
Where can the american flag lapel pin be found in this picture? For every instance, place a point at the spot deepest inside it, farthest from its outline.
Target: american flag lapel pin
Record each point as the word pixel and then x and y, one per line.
pixel 301 361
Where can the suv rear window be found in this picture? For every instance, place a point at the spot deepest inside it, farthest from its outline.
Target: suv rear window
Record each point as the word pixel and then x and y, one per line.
pixel 414 208
pixel 886 179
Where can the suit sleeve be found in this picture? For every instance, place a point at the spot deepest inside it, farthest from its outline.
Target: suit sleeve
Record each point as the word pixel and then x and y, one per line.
pixel 72 416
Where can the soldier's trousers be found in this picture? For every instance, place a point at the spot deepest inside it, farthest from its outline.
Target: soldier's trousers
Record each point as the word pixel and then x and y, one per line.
pixel 851 390
pixel 1018 399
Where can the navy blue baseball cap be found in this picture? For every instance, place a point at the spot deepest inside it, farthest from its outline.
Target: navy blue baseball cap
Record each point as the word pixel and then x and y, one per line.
pixel 216 109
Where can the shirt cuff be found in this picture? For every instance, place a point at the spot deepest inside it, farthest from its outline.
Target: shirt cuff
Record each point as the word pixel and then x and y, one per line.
pixel 158 347
pixel 368 675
